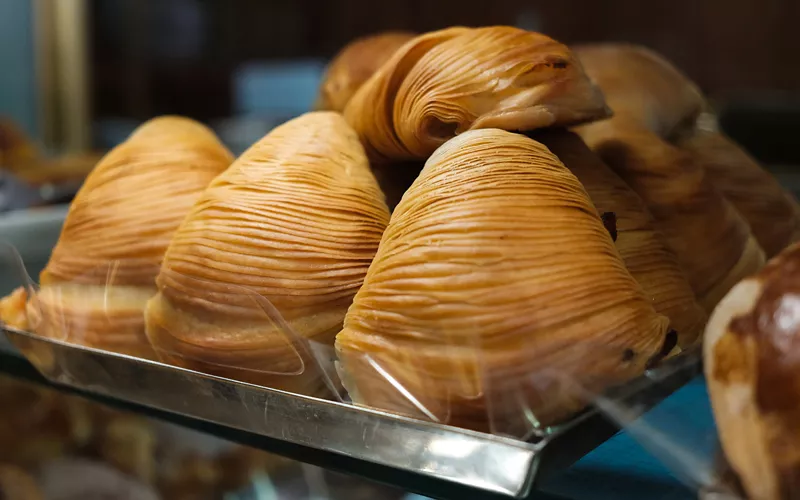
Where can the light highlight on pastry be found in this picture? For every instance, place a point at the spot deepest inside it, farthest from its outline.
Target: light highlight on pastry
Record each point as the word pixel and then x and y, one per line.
pixel 270 257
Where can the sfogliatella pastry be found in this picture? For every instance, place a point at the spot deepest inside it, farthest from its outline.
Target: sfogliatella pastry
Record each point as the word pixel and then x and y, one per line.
pixel 270 257
pixel 772 213
pixel 642 248
pixel 496 294
pixel 652 103
pixel 752 368
pixel 353 66
pixel 103 268
pixel 446 82
pixel 640 84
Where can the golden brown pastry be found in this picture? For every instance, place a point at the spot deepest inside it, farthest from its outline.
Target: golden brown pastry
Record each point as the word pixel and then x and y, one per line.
pixel 641 246
pixel 17 484
pixel 772 213
pixel 353 66
pixel 446 82
pixel 295 221
pixel 16 149
pixel 12 309
pixel 653 103
pixel 711 240
pixel 103 268
pixel 642 86
pixel 496 290
pixel 753 372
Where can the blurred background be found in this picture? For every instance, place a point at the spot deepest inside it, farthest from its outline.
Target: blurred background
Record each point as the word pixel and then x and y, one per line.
pixel 80 74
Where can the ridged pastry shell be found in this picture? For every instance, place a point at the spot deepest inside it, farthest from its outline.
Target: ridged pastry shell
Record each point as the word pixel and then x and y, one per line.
pixel 446 82
pixel 270 257
pixel 496 293
pixel 643 249
pixel 103 268
pixel 709 237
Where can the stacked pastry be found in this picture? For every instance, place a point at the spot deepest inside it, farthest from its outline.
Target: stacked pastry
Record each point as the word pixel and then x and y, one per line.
pixel 496 293
pixel 447 82
pixel 433 89
pixel 103 268
pixel 702 189
pixel 353 66
pixel 270 257
pixel 642 247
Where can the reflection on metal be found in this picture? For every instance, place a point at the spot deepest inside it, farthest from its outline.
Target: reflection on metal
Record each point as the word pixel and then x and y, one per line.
pixel 482 462
pixel 61 41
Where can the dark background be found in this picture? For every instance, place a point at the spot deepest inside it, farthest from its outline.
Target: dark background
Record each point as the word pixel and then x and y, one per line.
pixel 177 56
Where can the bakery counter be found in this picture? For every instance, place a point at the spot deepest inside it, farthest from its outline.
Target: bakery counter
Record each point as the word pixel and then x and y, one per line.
pixel 427 458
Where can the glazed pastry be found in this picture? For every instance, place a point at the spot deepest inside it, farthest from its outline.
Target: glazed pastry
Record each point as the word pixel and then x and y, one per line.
pixel 496 292
pixel 642 248
pixel 270 257
pixel 653 103
pixel 446 82
pixel 353 66
pixel 103 268
pixel 772 213
pixel 753 374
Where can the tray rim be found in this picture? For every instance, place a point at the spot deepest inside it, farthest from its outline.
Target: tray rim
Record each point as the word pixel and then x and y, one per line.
pixel 535 454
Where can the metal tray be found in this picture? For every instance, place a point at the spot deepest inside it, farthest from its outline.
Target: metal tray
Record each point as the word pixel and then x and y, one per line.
pixel 427 458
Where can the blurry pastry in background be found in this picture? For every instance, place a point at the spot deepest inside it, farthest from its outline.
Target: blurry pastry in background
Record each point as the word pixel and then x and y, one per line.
pixel 61 169
pixel 642 248
pixel 39 424
pixel 446 82
pixel 354 65
pixel 15 147
pixel 20 156
pixel 103 268
pixel 709 237
pixel 270 258
pixel 752 369
pixel 496 294
pixel 653 103
pixel 16 484
pixel 641 85
pixel 772 212
pixel 128 442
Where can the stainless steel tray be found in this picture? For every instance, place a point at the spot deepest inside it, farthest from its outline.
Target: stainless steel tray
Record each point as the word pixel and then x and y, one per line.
pixel 431 459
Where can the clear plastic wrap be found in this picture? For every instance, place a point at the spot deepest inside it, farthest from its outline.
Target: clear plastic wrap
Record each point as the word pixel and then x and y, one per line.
pixel 509 406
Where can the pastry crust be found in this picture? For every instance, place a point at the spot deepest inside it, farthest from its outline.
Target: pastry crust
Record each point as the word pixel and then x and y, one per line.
pixel 270 257
pixel 654 105
pixel 103 268
pixel 642 247
pixel 446 82
pixel 496 293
